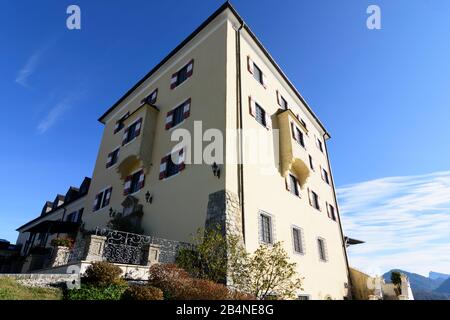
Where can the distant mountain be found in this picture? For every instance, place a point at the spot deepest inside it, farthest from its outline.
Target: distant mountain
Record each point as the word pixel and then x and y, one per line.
pixel 424 288
pixel 437 275
pixel 444 287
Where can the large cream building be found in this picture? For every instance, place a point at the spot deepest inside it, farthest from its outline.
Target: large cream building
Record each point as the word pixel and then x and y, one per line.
pixel 221 77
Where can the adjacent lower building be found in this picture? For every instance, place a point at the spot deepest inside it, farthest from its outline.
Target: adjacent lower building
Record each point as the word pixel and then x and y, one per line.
pixel 220 85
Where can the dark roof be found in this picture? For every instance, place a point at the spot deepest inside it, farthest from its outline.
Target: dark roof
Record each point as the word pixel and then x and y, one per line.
pixel 226 5
pixel 83 190
pixel 350 241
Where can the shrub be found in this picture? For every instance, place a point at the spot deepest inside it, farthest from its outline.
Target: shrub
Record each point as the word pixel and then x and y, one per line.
pixel 176 284
pixel 92 292
pixel 103 274
pixel 138 292
pixel 62 242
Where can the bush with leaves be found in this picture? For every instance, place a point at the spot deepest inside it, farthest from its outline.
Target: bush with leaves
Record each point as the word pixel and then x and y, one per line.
pixel 265 273
pixel 140 292
pixel 103 273
pixel 396 279
pixel 62 242
pixel 93 292
pixel 176 284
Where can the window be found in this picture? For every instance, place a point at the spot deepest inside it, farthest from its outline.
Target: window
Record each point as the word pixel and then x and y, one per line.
pixel 297 239
pixel 302 122
pixel 303 297
pixel 75 216
pixel 314 200
pixel 102 199
pixel 311 163
pixel 300 138
pixel 134 182
pixel 325 176
pixel 169 167
pixel 283 103
pixel 112 158
pixel 265 228
pixel 182 75
pixel 119 123
pixel 177 115
pixel 260 115
pixel 257 74
pixel 293 183
pixel 297 134
pixel 322 249
pixel 151 98
pixel 132 132
pixel 331 212
pixel 319 145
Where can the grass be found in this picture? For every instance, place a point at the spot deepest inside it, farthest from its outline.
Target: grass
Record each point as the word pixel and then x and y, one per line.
pixel 11 290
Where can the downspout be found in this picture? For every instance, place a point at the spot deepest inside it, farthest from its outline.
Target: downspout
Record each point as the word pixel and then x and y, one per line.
pixel 240 165
pixel 344 247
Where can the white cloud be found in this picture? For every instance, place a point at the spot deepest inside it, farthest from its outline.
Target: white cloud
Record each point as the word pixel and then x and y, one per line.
pixel 54 115
pixel 405 222
pixel 29 67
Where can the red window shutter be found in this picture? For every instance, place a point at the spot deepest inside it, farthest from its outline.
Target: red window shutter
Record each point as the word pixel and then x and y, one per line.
pixel 125 137
pixel 250 64
pixel 117 126
pixel 169 119
pixel 252 106
pixel 265 82
pixel 163 167
pixel 138 127
pixel 187 108
pixel 141 179
pixel 173 81
pixel 190 68
pixel 127 186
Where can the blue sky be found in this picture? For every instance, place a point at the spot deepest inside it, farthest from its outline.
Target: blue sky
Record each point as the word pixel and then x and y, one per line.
pixel 383 94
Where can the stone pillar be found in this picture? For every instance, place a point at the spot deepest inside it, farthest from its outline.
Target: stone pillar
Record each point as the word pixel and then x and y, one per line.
pixel 224 211
pixel 60 256
pixel 94 248
pixel 151 254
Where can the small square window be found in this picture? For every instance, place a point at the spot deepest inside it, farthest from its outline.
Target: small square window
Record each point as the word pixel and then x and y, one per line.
pixel 283 103
pixel 182 75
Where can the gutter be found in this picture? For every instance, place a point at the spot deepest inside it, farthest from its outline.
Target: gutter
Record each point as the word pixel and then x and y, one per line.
pixel 344 247
pixel 239 125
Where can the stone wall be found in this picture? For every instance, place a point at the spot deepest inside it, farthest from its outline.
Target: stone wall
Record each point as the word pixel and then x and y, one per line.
pixel 224 210
pixel 43 280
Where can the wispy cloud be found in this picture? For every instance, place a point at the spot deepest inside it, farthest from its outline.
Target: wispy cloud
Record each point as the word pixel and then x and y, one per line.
pixel 29 67
pixel 405 222
pixel 54 115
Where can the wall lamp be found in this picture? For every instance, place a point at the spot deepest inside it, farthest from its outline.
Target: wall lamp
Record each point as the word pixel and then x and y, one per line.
pixel 148 197
pixel 216 170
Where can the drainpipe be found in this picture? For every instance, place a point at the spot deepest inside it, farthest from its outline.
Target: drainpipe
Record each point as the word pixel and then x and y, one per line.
pixel 344 247
pixel 240 166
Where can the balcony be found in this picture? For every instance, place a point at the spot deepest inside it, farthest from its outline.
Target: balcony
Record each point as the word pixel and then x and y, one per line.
pixel 137 153
pixel 293 156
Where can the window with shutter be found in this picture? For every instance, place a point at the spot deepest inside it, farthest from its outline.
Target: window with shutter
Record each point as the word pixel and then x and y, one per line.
pixel 182 75
pixel 136 181
pixel 112 158
pixel 294 185
pixel 311 163
pixel 260 114
pixel 314 200
pixel 132 132
pixel 102 199
pixel 178 114
pixel 169 167
pixel 151 98
pixel 325 176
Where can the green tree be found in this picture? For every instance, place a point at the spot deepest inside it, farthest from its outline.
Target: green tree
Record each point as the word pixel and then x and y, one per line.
pixel 267 273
